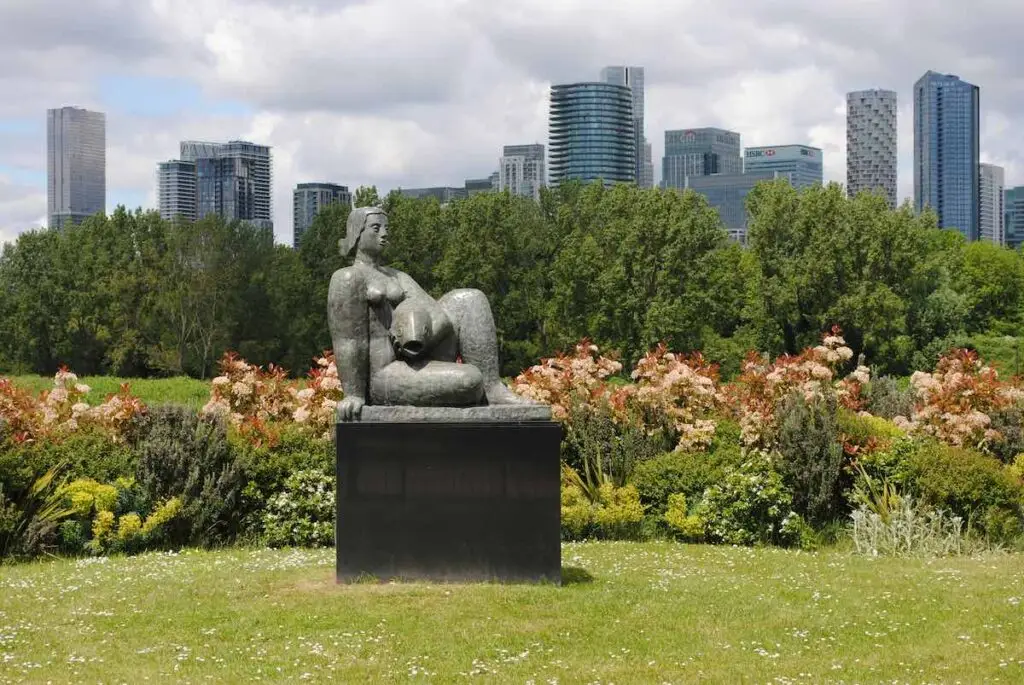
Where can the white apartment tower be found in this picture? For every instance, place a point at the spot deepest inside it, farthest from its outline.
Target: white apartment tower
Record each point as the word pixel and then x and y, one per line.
pixel 992 225
pixel 76 165
pixel 871 150
pixel 521 170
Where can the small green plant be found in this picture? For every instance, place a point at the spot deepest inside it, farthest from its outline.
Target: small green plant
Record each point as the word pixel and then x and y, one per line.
pixel 687 527
pixel 605 512
pixel 910 529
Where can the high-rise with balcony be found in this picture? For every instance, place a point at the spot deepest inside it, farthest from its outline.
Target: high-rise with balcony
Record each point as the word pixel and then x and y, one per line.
pixel 1013 216
pixel 176 190
pixel 871 143
pixel 76 165
pixel 307 201
pixel 947 150
pixel 232 180
pixel 591 133
pixel 991 218
pixel 699 152
pixel 521 170
pixel 801 164
pixel 633 77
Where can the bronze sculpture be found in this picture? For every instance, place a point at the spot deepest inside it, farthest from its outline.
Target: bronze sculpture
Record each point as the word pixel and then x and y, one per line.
pixel 396 345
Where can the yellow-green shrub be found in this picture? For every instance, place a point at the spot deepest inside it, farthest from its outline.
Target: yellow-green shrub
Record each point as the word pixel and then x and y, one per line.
pixel 616 514
pixel 688 527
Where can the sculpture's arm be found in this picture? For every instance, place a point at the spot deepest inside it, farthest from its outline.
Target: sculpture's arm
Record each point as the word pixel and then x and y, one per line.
pixel 440 324
pixel 348 320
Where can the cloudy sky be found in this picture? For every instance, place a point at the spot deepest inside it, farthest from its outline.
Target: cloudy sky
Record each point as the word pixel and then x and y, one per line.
pixel 425 92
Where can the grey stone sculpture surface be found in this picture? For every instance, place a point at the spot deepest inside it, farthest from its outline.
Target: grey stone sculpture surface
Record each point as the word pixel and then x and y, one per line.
pixel 396 345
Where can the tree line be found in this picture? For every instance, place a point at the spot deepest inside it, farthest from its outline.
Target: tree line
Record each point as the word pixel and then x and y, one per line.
pixel 134 295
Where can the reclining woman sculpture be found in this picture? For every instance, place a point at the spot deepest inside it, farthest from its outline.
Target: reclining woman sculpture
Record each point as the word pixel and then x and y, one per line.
pixel 394 344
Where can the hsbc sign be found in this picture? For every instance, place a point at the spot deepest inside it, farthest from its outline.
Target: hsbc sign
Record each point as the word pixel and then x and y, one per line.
pixel 767 152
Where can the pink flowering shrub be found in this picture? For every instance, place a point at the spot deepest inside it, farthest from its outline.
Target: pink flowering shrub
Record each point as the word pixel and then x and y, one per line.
pixel 763 385
pixel 63 409
pixel 255 400
pixel 314 404
pixel 682 388
pixel 955 402
pixel 563 381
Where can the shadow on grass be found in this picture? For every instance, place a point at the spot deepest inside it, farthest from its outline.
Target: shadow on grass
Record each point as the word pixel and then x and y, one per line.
pixel 574 575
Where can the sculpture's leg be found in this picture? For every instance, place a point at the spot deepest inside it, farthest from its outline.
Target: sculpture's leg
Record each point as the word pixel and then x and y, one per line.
pixel 476 341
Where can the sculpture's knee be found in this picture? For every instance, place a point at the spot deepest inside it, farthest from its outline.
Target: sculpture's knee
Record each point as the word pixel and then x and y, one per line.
pixel 465 297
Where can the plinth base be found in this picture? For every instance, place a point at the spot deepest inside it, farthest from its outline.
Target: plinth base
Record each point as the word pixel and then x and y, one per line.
pixel 475 501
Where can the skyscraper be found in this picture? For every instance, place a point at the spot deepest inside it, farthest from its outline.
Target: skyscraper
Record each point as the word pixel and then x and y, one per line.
pixel 699 152
pixel 233 180
pixel 176 190
pixel 521 170
pixel 307 201
pixel 76 165
pixel 991 219
pixel 802 164
pixel 947 150
pixel 647 171
pixel 633 77
pixel 1013 213
pixel 871 143
pixel 591 133
pixel 727 193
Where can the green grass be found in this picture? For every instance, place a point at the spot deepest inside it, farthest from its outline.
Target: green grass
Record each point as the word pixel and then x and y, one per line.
pixel 179 390
pixel 636 612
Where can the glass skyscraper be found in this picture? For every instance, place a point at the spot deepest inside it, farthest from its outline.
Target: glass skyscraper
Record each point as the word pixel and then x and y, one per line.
pixel 76 165
pixel 307 201
pixel 699 152
pixel 232 180
pixel 591 133
pixel 634 78
pixel 947 151
pixel 1013 216
pixel 991 214
pixel 802 164
pixel 728 194
pixel 871 143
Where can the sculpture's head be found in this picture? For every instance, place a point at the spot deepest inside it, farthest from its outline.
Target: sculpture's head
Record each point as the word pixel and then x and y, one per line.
pixel 366 231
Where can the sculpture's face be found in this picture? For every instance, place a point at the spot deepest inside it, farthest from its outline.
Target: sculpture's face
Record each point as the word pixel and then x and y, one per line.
pixel 375 236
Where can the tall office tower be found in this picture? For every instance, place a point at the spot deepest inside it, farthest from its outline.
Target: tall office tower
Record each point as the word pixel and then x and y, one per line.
pixel 871 143
pixel 699 152
pixel 307 201
pixel 947 150
pixel 1013 216
pixel 801 163
pixel 633 77
pixel 590 131
pixel 647 175
pixel 443 194
pixel 991 218
pixel 521 170
pixel 76 165
pixel 176 190
pixel 727 193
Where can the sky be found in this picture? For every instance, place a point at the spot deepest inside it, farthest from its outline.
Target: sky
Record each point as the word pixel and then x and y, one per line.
pixel 426 92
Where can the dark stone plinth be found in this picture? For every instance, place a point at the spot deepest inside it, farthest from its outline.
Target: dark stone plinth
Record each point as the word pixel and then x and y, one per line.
pixel 449 501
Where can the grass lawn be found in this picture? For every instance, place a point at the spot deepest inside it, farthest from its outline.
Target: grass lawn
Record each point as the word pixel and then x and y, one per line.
pixel 179 390
pixel 632 613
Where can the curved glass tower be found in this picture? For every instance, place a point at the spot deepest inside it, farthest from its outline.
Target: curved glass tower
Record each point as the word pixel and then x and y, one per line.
pixel 591 133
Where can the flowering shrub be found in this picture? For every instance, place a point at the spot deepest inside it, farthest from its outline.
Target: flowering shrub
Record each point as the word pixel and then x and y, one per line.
pixel 762 386
pixel 682 388
pixel 954 403
pixel 62 410
pixel 302 515
pixel 751 505
pixel 253 399
pixel 563 381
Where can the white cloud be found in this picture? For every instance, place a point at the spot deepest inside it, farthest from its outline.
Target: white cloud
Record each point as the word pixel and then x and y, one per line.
pixel 425 92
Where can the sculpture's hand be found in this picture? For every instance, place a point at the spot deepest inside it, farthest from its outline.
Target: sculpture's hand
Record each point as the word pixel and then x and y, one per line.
pixel 349 408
